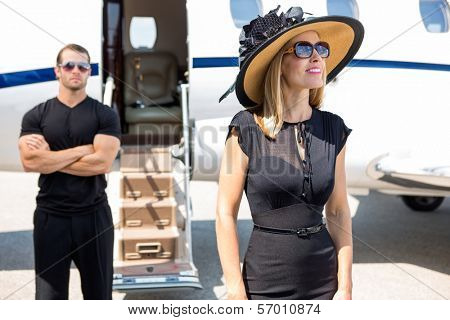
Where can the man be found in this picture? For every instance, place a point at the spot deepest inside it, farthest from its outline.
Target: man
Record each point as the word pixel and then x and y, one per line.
pixel 72 140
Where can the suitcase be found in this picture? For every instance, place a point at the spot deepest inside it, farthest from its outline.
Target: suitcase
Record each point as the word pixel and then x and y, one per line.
pixel 148 243
pixel 145 185
pixel 156 214
pixel 146 159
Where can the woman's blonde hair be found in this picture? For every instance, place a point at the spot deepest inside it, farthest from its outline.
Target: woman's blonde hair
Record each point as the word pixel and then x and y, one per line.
pixel 269 114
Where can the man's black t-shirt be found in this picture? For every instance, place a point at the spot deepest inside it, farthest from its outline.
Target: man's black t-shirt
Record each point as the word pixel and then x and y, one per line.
pixel 64 127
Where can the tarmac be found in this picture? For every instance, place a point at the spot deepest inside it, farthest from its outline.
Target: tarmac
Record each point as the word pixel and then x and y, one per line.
pixel 398 253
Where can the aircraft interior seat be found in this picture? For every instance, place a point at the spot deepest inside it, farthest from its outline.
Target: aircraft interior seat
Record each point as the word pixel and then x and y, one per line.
pixel 150 91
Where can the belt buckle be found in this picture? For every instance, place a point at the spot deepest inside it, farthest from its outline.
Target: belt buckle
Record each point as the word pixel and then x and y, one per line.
pixel 302 232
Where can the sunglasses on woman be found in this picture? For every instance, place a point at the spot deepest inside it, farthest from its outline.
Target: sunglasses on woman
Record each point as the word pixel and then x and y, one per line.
pixel 70 65
pixel 304 49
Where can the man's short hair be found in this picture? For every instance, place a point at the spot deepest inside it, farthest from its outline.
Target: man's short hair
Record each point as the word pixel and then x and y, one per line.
pixel 74 47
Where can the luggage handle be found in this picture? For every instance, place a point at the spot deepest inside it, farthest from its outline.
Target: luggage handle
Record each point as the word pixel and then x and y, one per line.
pixel 160 193
pixel 134 223
pixel 148 247
pixel 132 256
pixel 165 254
pixel 134 194
pixel 162 222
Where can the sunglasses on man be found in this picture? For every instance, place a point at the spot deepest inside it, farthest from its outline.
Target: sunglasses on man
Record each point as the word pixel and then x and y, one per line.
pixel 70 65
pixel 304 49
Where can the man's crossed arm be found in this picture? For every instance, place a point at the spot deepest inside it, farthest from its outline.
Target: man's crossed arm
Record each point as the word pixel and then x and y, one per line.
pixel 98 162
pixel 87 160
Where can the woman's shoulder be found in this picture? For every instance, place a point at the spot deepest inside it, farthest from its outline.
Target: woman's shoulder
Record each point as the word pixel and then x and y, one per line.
pixel 244 122
pixel 329 115
pixel 334 120
pixel 339 129
pixel 244 118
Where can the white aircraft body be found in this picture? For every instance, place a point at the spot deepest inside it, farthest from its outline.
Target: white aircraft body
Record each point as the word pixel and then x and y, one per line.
pixel 163 66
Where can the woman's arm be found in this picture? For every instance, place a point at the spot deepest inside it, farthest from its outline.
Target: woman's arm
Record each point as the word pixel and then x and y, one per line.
pixel 339 224
pixel 232 177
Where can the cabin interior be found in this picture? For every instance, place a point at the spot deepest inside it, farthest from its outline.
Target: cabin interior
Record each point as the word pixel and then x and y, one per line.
pixel 145 51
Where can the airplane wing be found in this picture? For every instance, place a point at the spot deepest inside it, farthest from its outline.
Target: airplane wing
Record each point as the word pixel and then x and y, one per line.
pixel 413 169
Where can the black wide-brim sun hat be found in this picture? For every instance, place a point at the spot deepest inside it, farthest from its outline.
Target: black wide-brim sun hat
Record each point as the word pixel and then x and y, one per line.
pixel 265 36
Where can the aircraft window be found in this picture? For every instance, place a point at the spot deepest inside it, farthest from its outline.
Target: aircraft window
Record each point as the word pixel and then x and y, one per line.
pixel 143 32
pixel 347 8
pixel 435 15
pixel 244 11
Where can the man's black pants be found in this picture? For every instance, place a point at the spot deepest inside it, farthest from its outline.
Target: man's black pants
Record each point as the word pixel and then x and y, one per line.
pixel 86 239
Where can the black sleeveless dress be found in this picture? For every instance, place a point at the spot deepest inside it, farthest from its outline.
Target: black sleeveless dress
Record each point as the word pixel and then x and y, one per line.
pixel 287 192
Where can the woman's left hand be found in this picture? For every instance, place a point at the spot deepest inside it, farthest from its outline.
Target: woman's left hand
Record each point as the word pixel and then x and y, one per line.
pixel 342 295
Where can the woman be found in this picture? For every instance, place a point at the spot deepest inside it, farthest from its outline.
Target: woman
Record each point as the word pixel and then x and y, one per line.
pixel 289 156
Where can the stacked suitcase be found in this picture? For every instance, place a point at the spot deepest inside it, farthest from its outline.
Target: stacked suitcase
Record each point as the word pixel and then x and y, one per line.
pixel 151 216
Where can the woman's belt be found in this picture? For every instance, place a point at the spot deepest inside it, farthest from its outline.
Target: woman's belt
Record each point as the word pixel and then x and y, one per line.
pixel 301 232
pixel 298 215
